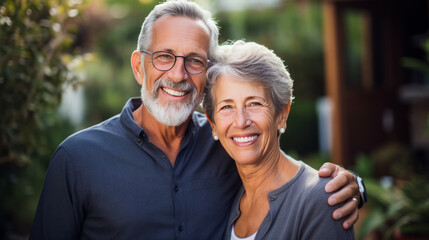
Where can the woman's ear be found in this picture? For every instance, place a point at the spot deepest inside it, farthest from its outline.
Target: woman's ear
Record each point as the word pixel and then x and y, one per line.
pixel 213 126
pixel 136 65
pixel 210 121
pixel 284 114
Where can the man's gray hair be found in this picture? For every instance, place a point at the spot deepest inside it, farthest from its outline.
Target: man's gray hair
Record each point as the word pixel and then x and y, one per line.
pixel 178 8
pixel 250 62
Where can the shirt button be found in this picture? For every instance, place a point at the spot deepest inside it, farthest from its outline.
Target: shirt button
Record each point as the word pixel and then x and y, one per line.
pixel 163 157
pixel 180 228
pixel 176 188
pixel 273 197
pixel 139 140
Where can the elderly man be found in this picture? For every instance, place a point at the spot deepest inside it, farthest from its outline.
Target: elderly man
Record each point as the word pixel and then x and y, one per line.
pixel 153 171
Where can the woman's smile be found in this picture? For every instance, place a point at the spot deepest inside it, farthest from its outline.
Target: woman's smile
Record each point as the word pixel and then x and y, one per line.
pixel 245 140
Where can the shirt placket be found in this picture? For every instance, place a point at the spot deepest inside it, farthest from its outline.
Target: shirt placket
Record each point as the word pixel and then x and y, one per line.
pixel 178 198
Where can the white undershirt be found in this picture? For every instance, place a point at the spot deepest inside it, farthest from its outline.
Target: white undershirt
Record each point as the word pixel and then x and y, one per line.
pixel 234 237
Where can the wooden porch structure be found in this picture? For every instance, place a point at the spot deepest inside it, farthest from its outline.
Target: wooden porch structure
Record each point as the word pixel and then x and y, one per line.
pixel 364 72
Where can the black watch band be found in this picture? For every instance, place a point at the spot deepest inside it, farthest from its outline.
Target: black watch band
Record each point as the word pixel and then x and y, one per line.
pixel 362 190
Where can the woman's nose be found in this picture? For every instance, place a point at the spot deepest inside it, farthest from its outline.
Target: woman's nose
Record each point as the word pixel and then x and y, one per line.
pixel 241 119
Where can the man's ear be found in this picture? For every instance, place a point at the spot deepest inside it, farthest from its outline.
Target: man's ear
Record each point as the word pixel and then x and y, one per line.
pixel 136 65
pixel 284 114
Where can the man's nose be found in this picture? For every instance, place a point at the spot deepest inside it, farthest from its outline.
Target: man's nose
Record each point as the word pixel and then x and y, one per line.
pixel 178 72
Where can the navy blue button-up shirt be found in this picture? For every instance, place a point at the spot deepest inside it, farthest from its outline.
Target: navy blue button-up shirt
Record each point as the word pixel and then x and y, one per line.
pixel 110 182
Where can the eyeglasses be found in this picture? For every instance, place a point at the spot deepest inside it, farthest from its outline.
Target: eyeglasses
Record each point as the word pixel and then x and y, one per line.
pixel 164 61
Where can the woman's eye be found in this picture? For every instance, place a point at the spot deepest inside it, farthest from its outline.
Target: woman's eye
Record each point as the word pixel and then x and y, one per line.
pixel 225 107
pixel 255 104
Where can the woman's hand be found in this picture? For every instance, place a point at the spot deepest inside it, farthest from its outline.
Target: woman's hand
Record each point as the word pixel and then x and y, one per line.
pixel 348 191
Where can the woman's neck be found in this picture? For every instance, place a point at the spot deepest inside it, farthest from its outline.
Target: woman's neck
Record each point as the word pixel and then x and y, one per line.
pixel 269 175
pixel 258 181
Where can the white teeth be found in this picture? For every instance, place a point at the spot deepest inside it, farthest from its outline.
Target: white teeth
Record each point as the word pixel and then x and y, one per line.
pixel 244 139
pixel 173 92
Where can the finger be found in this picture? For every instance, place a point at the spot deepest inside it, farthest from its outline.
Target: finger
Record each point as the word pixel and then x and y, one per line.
pixel 351 220
pixel 343 179
pixel 348 208
pixel 345 193
pixel 327 169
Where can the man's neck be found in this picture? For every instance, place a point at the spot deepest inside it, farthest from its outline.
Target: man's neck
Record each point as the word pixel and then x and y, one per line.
pixel 166 138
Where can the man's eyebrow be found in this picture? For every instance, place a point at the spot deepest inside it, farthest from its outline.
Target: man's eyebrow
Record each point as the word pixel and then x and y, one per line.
pixel 166 50
pixel 189 54
pixel 196 54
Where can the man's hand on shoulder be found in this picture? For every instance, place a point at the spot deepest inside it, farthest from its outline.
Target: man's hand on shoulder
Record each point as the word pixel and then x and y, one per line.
pixel 344 182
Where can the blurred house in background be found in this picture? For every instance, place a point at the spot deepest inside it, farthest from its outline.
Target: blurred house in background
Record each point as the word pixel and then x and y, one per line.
pixel 375 99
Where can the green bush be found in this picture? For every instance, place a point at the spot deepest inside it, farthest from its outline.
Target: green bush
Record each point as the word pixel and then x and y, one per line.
pixel 34 37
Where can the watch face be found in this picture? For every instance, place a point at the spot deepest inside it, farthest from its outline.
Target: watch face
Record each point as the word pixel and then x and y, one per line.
pixel 359 182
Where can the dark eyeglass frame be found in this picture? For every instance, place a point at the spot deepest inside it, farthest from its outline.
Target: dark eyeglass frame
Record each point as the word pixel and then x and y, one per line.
pixel 175 59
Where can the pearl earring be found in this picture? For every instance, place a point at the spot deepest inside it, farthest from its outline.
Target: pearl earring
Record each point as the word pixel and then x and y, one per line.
pixel 282 130
pixel 216 137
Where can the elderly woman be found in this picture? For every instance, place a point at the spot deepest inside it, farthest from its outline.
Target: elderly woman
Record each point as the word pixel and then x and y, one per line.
pixel 248 100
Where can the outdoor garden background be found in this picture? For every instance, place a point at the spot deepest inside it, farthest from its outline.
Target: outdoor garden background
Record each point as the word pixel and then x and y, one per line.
pixel 65 65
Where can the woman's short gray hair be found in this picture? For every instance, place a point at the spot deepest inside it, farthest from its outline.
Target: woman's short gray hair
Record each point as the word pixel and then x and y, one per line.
pixel 251 62
pixel 178 8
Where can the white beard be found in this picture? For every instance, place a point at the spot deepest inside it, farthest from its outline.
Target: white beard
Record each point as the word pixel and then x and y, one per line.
pixel 171 113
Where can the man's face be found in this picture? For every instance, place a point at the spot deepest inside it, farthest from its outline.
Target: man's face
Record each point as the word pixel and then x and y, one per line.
pixel 171 96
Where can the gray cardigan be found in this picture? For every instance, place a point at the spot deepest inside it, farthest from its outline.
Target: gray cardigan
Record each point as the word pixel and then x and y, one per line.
pixel 298 210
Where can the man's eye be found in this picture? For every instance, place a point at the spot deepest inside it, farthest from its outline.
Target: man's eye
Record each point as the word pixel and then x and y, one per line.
pixel 165 56
pixel 225 107
pixel 195 61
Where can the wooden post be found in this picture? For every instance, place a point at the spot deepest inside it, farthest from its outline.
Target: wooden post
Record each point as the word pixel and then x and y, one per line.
pixel 333 72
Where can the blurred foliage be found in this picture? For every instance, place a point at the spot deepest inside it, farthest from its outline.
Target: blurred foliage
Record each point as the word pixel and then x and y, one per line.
pixel 109 78
pixel 397 196
pixel 364 166
pixel 35 35
pixel 301 132
pixel 390 159
pixel 421 65
pixel 293 31
pixel 316 160
pixel 32 76
pixel 354 50
pixel 401 209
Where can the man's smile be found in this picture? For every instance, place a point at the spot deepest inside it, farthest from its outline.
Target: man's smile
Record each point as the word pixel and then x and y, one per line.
pixel 174 92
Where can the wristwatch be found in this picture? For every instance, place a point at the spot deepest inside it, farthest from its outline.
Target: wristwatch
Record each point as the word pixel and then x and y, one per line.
pixel 362 191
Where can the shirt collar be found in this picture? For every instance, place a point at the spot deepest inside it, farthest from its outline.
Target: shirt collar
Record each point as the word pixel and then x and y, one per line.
pixel 127 120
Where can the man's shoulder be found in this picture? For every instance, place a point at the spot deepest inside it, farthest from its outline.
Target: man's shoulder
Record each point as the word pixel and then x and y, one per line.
pixel 199 119
pixel 202 125
pixel 94 134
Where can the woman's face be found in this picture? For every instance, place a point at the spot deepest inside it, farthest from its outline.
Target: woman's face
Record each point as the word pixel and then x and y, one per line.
pixel 245 120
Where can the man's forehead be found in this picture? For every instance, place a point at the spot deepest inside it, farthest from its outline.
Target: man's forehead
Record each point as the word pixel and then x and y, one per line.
pixel 174 19
pixel 179 33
